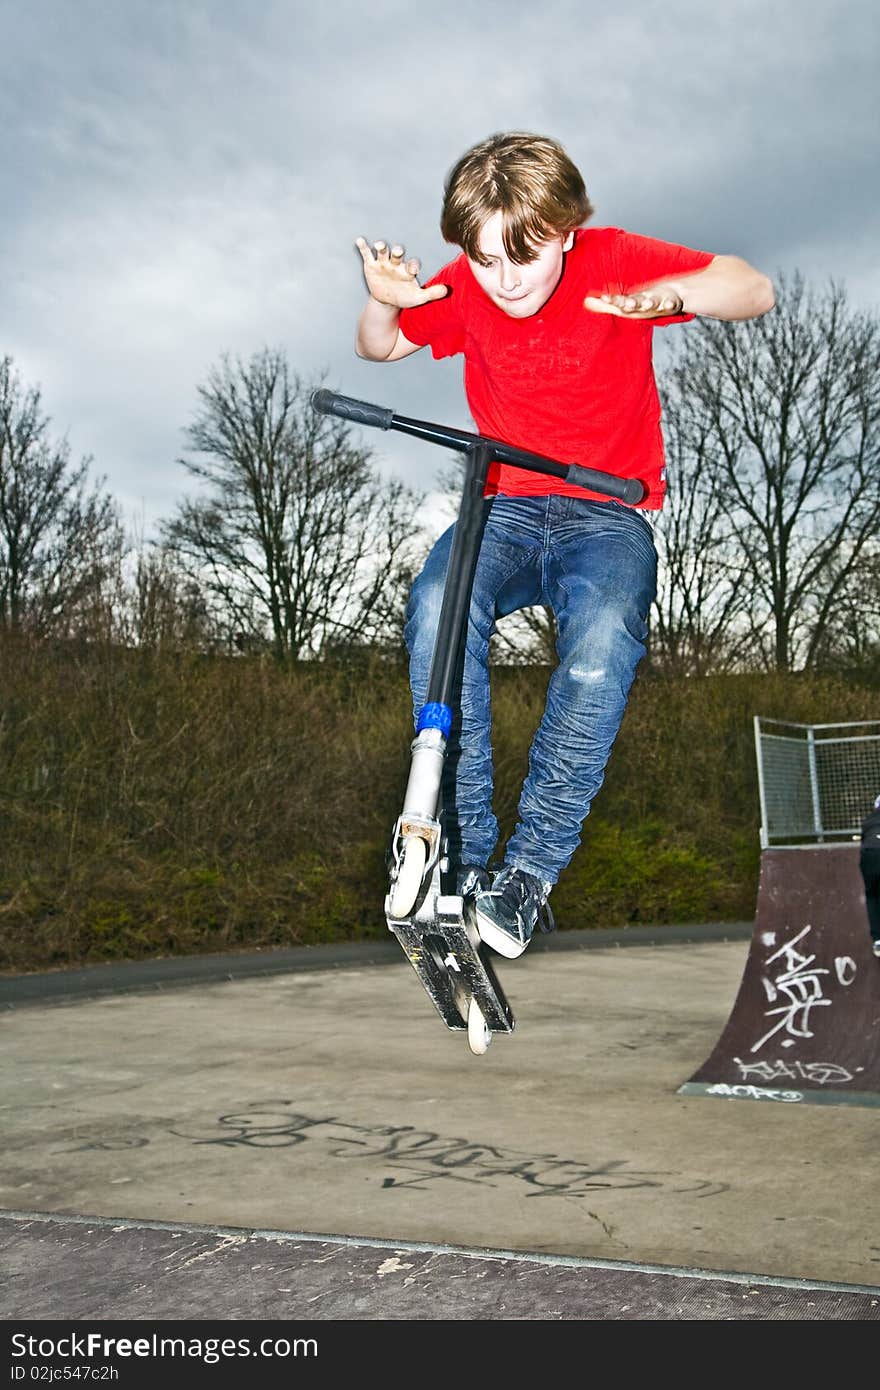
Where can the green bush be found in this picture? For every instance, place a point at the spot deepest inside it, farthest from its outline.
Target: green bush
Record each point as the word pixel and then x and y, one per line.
pixel 646 873
pixel 157 804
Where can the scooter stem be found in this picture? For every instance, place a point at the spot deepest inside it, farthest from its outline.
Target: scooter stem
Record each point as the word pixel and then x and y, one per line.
pixel 435 716
pixel 452 627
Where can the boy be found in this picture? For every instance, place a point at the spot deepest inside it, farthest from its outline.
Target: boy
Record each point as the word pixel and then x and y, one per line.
pixel 555 325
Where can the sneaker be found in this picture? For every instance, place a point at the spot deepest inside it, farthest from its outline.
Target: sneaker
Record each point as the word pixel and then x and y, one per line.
pixel 875 945
pixel 471 879
pixel 508 912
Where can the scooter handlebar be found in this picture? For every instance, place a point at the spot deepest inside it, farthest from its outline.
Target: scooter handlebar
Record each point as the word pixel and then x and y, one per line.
pixel 625 489
pixel 347 408
pixel 629 490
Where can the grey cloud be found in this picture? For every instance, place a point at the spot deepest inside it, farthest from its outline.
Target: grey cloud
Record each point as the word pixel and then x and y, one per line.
pixel 189 178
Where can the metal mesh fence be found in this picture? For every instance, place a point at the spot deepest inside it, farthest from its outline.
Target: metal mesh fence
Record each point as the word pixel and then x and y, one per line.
pixel 817 782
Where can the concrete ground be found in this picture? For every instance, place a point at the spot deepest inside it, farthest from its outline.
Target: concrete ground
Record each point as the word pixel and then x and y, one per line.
pixel 330 1100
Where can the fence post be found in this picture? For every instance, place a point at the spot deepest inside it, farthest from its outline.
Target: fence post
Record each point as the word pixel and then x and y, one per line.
pixel 814 784
pixel 765 842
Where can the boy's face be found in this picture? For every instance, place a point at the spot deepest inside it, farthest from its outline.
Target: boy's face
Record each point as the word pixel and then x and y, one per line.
pixel 520 290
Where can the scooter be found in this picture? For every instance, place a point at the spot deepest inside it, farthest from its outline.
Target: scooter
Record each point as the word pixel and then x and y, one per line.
pixel 436 928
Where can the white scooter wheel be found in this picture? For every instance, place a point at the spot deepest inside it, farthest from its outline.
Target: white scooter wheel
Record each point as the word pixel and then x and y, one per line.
pixel 479 1032
pixel 410 872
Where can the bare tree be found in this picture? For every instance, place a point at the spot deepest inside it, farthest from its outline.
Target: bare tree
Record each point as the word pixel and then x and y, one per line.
pixel 60 541
pixel 784 411
pixel 165 606
pixel 697 617
pixel 851 638
pixel 296 537
pixel 525 638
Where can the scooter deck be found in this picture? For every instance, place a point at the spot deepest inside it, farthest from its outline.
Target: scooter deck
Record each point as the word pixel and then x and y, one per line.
pixel 446 954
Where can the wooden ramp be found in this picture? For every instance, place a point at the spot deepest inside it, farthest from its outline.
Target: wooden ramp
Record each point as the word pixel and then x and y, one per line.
pixel 805 1026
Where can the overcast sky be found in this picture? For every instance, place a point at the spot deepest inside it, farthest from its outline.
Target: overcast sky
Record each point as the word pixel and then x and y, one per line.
pixel 184 178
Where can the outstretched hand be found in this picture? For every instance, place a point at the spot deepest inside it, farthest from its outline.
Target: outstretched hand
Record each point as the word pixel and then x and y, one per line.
pixel 393 280
pixel 641 304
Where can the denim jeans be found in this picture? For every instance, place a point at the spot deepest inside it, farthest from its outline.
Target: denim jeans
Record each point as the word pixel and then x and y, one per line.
pixel 594 564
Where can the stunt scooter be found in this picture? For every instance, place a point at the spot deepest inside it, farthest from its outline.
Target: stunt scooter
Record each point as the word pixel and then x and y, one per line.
pixel 436 926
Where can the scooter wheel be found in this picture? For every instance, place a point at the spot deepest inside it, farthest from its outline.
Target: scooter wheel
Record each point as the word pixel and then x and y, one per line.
pixel 479 1032
pixel 410 872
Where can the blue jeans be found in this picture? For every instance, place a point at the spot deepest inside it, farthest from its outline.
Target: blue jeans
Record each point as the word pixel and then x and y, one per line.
pixel 594 564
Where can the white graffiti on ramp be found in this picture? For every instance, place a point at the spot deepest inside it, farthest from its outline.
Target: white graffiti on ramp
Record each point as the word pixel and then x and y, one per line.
pixel 799 981
pixel 821 1073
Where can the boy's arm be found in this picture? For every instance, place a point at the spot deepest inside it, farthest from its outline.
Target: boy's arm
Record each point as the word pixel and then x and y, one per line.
pixel 379 338
pixel 727 288
pixel 393 285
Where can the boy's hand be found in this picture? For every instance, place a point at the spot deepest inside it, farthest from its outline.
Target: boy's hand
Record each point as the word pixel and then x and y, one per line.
pixel 392 280
pixel 641 304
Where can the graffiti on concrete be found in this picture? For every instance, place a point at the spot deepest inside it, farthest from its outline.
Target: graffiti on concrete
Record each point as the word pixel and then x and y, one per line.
pixel 109 1143
pixel 418 1158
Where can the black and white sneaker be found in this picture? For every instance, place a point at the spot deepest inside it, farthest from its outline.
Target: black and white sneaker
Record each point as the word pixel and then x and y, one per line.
pixel 875 946
pixel 471 879
pixel 508 912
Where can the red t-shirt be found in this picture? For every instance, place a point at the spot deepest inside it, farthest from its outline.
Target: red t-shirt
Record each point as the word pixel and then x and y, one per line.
pixel 566 382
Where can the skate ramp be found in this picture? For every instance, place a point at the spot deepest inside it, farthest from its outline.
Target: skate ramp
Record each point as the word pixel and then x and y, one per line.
pixel 805 1026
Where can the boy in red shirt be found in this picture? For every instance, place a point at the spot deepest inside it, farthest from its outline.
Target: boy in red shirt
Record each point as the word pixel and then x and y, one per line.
pixel 555 324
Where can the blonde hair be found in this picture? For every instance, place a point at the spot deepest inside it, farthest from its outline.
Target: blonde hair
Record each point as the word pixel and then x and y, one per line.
pixel 528 178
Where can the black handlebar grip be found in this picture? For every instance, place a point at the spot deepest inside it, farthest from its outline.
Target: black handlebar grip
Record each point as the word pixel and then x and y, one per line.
pixel 633 491
pixel 362 412
pixel 625 489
